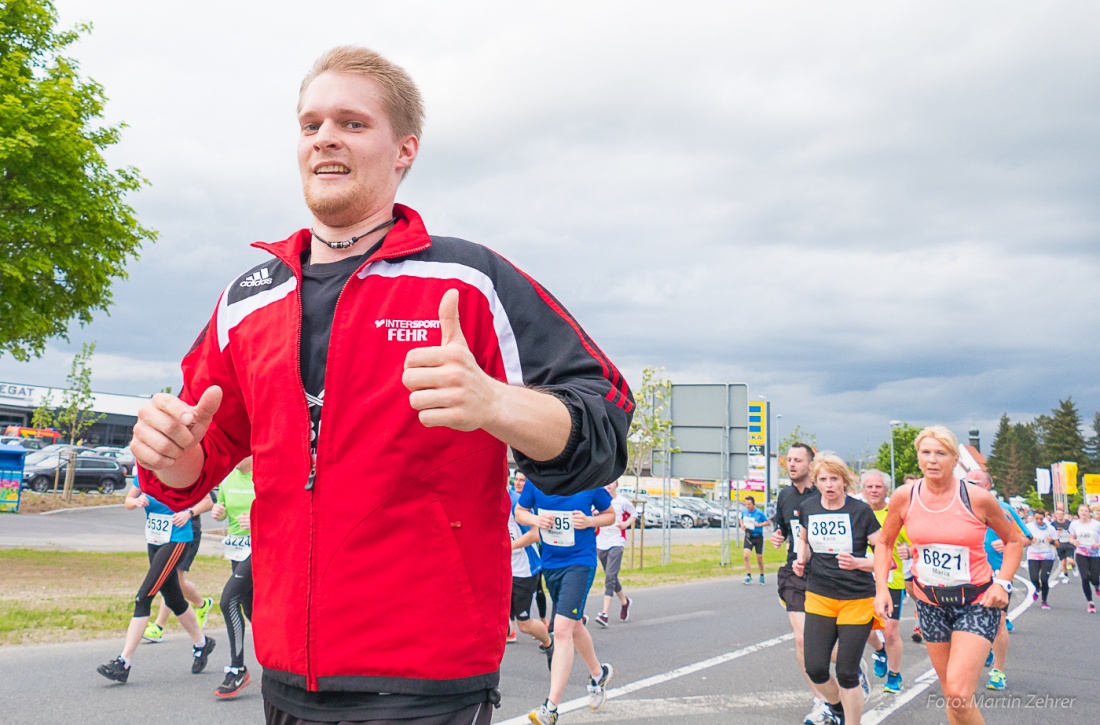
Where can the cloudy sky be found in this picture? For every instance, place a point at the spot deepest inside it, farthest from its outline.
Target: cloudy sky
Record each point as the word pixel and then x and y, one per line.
pixel 867 211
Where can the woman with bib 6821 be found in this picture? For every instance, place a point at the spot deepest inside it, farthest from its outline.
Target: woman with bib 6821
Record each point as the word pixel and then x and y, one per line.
pixel 958 595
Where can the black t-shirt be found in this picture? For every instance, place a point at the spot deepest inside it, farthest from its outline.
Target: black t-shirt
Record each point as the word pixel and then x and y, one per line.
pixel 831 532
pixel 1063 532
pixel 788 509
pixel 321 288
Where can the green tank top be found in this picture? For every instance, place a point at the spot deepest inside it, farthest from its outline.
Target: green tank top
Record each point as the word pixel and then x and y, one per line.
pixel 236 493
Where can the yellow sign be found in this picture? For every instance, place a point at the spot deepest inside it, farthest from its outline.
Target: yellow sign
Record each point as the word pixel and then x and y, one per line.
pixel 1092 483
pixel 758 423
pixel 1071 477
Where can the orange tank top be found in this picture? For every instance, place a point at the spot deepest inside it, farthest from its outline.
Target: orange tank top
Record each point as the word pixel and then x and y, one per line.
pixel 950 543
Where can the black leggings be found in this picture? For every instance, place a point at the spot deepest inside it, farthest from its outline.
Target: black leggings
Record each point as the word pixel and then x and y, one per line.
pixel 1040 575
pixel 236 604
pixel 1089 569
pixel 820 634
pixel 162 578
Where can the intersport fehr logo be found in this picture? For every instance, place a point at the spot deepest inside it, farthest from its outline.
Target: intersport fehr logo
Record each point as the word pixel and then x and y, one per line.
pixel 257 279
pixel 406 330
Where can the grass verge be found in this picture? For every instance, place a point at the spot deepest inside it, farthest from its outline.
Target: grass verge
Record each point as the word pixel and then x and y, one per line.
pixel 63 596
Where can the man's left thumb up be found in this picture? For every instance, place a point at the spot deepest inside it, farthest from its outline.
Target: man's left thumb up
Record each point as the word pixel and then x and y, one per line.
pixel 448 319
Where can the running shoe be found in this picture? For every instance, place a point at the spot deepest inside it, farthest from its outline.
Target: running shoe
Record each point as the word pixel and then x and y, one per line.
pixel 1046 606
pixel 917 635
pixel 1009 625
pixel 597 689
pixel 1075 572
pixel 116 670
pixel 864 685
pixel 153 633
pixel 1065 579
pixel 201 612
pixel 236 679
pixel 748 579
pixel 601 619
pixel 548 650
pixel 624 611
pixel 761 580
pixel 1092 608
pixel 893 683
pixel 200 655
pixel 544 715
pixel 584 620
pixel 997 680
pixel 878 659
pixel 816 716
pixel 989 659
pixel 512 637
pixel 1035 596
pixel 832 717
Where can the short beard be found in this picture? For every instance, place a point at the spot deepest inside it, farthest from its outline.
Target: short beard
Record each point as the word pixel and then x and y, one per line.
pixel 335 211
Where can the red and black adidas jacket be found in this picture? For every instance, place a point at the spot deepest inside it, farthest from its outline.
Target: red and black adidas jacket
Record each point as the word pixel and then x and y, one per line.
pixel 403 524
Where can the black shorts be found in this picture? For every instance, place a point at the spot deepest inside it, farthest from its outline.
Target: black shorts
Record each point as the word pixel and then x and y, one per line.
pixel 1066 551
pixel 897 596
pixel 755 543
pixel 568 588
pixel 523 590
pixel 189 554
pixel 792 589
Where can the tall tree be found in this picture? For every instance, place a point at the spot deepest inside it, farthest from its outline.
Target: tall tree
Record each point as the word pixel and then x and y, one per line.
pixel 997 460
pixel 905 454
pixel 65 231
pixel 1063 440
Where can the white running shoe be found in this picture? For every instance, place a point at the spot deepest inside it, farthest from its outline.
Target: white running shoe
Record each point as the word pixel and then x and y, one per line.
pixel 597 689
pixel 818 715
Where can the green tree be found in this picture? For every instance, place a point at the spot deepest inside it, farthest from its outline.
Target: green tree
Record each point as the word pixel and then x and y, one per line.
pixel 1013 458
pixel 651 425
pixel 1063 440
pixel 997 460
pixel 43 416
pixel 76 414
pixel 65 231
pixel 905 455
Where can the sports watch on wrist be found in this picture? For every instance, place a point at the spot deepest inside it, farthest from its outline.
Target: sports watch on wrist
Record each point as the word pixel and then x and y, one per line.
pixel 1003 584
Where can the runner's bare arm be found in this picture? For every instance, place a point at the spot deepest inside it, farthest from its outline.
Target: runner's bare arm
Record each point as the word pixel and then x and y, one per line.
pixel 603 518
pixel 884 548
pixel 449 389
pixel 987 507
pixel 527 539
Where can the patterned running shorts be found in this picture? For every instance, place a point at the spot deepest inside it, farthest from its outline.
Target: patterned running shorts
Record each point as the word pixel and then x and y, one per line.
pixel 937 623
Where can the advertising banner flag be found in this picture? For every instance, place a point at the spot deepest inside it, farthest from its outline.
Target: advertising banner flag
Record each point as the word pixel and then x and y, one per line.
pixel 1042 480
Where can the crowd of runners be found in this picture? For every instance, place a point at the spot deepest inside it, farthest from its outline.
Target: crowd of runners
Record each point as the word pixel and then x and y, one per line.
pixel 856 551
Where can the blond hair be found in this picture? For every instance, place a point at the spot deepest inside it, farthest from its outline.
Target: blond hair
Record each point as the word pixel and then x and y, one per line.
pixel 940 434
pixel 401 99
pixel 835 464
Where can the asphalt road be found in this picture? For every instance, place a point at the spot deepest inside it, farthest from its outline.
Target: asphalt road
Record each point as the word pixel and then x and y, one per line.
pixel 707 653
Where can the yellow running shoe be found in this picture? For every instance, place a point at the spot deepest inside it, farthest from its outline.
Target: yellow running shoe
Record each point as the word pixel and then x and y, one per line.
pixel 201 612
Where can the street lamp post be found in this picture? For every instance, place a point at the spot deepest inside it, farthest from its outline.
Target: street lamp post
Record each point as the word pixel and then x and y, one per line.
pixel 893 473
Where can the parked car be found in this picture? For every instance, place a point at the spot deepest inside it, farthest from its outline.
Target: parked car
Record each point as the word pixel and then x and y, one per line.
pixel 706 516
pixel 30 444
pixel 92 473
pixel 122 455
pixel 681 516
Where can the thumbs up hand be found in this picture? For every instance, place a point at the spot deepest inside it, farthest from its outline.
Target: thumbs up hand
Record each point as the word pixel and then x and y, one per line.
pixel 447 387
pixel 167 427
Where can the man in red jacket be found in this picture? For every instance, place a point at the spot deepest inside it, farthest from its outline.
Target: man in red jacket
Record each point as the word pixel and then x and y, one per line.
pixel 425 358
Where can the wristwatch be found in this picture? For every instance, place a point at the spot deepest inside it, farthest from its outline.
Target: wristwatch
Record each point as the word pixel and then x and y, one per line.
pixel 1003 584
pixel 191 512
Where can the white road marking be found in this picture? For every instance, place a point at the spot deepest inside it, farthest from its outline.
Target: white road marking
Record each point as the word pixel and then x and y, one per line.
pixel 928 678
pixel 664 677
